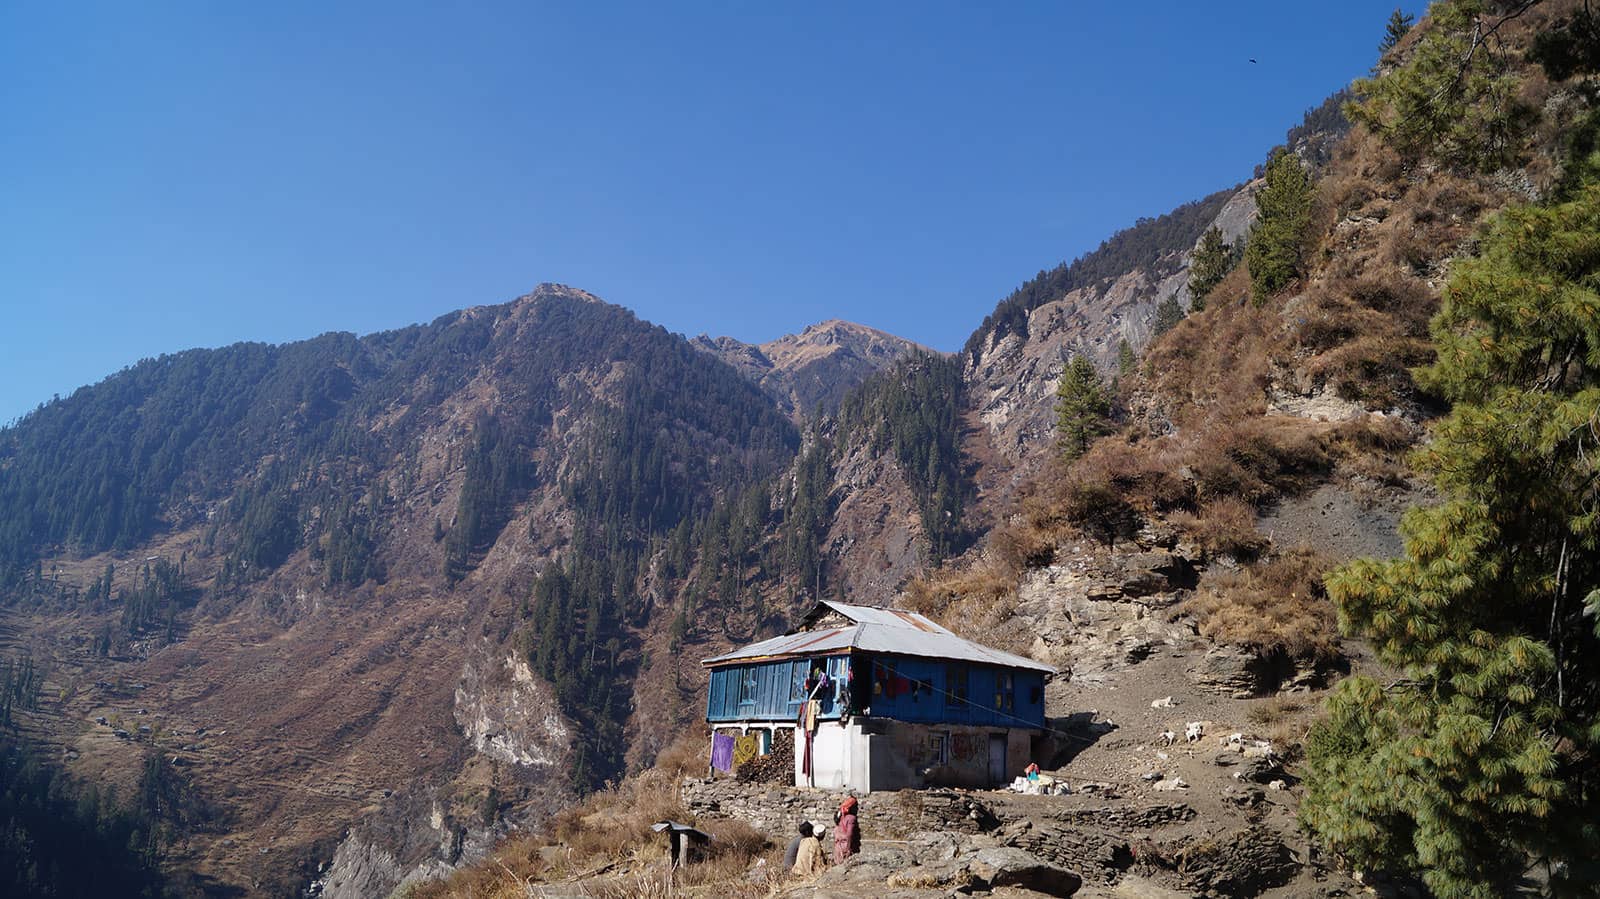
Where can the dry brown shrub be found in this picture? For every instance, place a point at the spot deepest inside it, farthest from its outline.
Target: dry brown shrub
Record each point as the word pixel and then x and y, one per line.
pixel 1259 459
pixel 1143 477
pixel 979 585
pixel 1266 712
pixel 1224 526
pixel 1371 159
pixel 732 837
pixel 1374 370
pixel 1220 358
pixel 1095 502
pixel 1375 433
pixel 1276 606
pixel 1285 721
pixel 685 756
pixel 1018 545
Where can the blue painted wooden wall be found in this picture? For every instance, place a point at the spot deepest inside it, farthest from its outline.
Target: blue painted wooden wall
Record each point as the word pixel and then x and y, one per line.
pixel 901 687
pixel 931 691
pixel 771 691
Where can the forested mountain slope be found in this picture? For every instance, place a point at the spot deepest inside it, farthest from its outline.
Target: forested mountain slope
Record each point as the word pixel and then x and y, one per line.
pixel 1405 318
pixel 326 535
pixel 385 598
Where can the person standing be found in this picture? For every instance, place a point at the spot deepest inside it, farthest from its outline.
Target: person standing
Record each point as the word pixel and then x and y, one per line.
pixel 847 833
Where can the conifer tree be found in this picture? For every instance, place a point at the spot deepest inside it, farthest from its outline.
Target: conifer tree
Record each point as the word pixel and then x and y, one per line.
pixel 1126 361
pixel 1455 99
pixel 1283 207
pixel 1399 23
pixel 1483 762
pixel 1168 313
pixel 1082 407
pixel 1212 261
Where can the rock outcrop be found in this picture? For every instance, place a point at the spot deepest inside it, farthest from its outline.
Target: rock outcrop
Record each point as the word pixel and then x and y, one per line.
pixel 811 372
pixel 1012 378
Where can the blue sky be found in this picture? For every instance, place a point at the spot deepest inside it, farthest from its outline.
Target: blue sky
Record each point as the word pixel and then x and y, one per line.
pixel 193 174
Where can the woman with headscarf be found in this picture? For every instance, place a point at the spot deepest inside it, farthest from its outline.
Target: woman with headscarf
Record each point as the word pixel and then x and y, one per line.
pixel 847 833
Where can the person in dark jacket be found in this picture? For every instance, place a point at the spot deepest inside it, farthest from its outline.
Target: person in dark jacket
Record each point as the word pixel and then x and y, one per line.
pixel 794 846
pixel 847 835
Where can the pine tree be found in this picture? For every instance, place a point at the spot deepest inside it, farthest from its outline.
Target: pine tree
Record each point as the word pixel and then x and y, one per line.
pixel 1212 261
pixel 1484 761
pixel 1399 23
pixel 1283 207
pixel 1454 100
pixel 1126 361
pixel 1082 407
pixel 1168 313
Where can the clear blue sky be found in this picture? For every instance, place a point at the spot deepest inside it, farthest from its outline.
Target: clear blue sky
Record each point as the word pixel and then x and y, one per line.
pixel 192 174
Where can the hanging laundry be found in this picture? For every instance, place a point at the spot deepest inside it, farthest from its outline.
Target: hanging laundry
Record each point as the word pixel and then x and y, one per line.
pixel 813 708
pixel 746 748
pixel 722 752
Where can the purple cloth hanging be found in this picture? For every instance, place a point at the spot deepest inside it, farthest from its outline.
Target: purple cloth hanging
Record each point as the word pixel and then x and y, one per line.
pixel 722 752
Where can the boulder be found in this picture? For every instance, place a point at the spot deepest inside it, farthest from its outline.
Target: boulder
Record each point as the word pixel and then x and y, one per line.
pixel 934 846
pixel 869 866
pixel 1008 866
pixel 1230 670
pixel 947 874
pixel 1261 770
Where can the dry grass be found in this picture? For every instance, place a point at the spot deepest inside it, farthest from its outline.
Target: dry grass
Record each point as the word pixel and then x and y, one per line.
pixel 1285 721
pixel 1278 605
pixel 1224 526
pixel 609 834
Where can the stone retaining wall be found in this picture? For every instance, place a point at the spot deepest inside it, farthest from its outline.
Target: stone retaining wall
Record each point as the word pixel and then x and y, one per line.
pixel 1093 854
pixel 778 811
pixel 1130 819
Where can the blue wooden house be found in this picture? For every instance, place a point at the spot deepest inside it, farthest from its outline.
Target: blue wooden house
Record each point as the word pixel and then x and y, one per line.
pixel 881 699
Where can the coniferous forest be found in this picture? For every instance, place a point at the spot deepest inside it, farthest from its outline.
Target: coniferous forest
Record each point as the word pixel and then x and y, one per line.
pixel 556 484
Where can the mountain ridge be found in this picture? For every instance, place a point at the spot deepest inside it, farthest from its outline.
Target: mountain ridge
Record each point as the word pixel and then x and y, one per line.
pixel 809 372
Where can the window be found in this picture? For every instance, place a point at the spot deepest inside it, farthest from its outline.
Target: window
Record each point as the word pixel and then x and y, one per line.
pixel 797 682
pixel 956 678
pixel 1005 697
pixel 747 685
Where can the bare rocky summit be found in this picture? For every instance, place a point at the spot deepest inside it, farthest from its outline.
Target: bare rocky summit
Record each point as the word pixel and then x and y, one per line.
pixel 813 370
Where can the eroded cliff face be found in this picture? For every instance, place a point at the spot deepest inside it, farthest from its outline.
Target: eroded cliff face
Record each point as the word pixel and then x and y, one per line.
pixel 875 542
pixel 510 773
pixel 1011 381
pixel 509 715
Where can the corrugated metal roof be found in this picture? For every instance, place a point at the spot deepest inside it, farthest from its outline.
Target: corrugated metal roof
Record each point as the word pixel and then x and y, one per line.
pixel 883 617
pixel 903 641
pixel 802 643
pixel 879 630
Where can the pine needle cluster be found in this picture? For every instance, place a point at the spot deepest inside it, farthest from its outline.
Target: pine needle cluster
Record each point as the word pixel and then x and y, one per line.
pixel 1482 767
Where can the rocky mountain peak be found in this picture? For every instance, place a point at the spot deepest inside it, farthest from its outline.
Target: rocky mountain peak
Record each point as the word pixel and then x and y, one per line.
pixel 812 370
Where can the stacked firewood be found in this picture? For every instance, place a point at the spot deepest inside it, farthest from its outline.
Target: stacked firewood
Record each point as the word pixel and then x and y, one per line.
pixel 776 767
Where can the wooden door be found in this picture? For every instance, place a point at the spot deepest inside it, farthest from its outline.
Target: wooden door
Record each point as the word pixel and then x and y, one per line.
pixel 997 759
